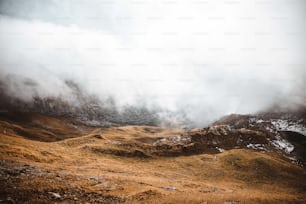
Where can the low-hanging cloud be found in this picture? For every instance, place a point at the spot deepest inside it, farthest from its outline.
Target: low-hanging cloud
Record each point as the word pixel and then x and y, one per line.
pixel 205 58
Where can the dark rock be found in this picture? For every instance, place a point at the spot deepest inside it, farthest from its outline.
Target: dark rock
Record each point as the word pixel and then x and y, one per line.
pixel 8 201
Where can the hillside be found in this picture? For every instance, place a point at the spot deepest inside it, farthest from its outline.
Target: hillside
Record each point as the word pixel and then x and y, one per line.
pixel 56 159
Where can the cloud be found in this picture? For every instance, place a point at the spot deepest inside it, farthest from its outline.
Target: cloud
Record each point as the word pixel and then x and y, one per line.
pixel 206 58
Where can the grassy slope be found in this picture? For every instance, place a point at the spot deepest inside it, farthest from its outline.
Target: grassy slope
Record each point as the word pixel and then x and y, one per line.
pixel 99 167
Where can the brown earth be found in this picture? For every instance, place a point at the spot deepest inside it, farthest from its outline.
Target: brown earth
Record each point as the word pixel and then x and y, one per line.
pixel 58 160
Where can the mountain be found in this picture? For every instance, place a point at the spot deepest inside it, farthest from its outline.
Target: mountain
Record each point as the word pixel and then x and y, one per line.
pixel 238 159
pixel 88 108
pixel 284 131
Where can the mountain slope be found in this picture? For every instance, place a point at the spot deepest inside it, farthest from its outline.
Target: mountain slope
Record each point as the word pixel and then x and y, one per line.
pixel 284 131
pixel 144 164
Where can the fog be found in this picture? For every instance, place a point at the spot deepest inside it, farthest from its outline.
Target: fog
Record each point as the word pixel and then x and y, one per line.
pixel 203 58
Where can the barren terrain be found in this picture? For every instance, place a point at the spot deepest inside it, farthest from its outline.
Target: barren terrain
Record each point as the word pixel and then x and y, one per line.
pixel 47 159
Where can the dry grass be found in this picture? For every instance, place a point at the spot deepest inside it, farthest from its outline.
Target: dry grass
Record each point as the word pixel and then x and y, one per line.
pixel 99 165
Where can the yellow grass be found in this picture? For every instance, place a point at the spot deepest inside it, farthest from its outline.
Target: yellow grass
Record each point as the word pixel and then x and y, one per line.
pixel 235 175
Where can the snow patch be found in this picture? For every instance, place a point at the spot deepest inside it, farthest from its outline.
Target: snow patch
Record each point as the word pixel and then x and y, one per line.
pixel 270 129
pixel 285 125
pixel 219 129
pixel 260 121
pixel 283 144
pixel 174 140
pixel 220 149
pixel 256 146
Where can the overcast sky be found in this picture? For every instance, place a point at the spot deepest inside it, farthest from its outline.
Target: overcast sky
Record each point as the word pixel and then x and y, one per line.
pixel 207 57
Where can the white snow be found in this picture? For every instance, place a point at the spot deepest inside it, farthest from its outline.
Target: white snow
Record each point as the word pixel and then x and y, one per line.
pixel 219 129
pixel 256 146
pixel 174 140
pixel 55 195
pixel 260 121
pixel 285 125
pixel 220 149
pixel 281 125
pixel 291 158
pixel 270 129
pixel 252 120
pixel 283 144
